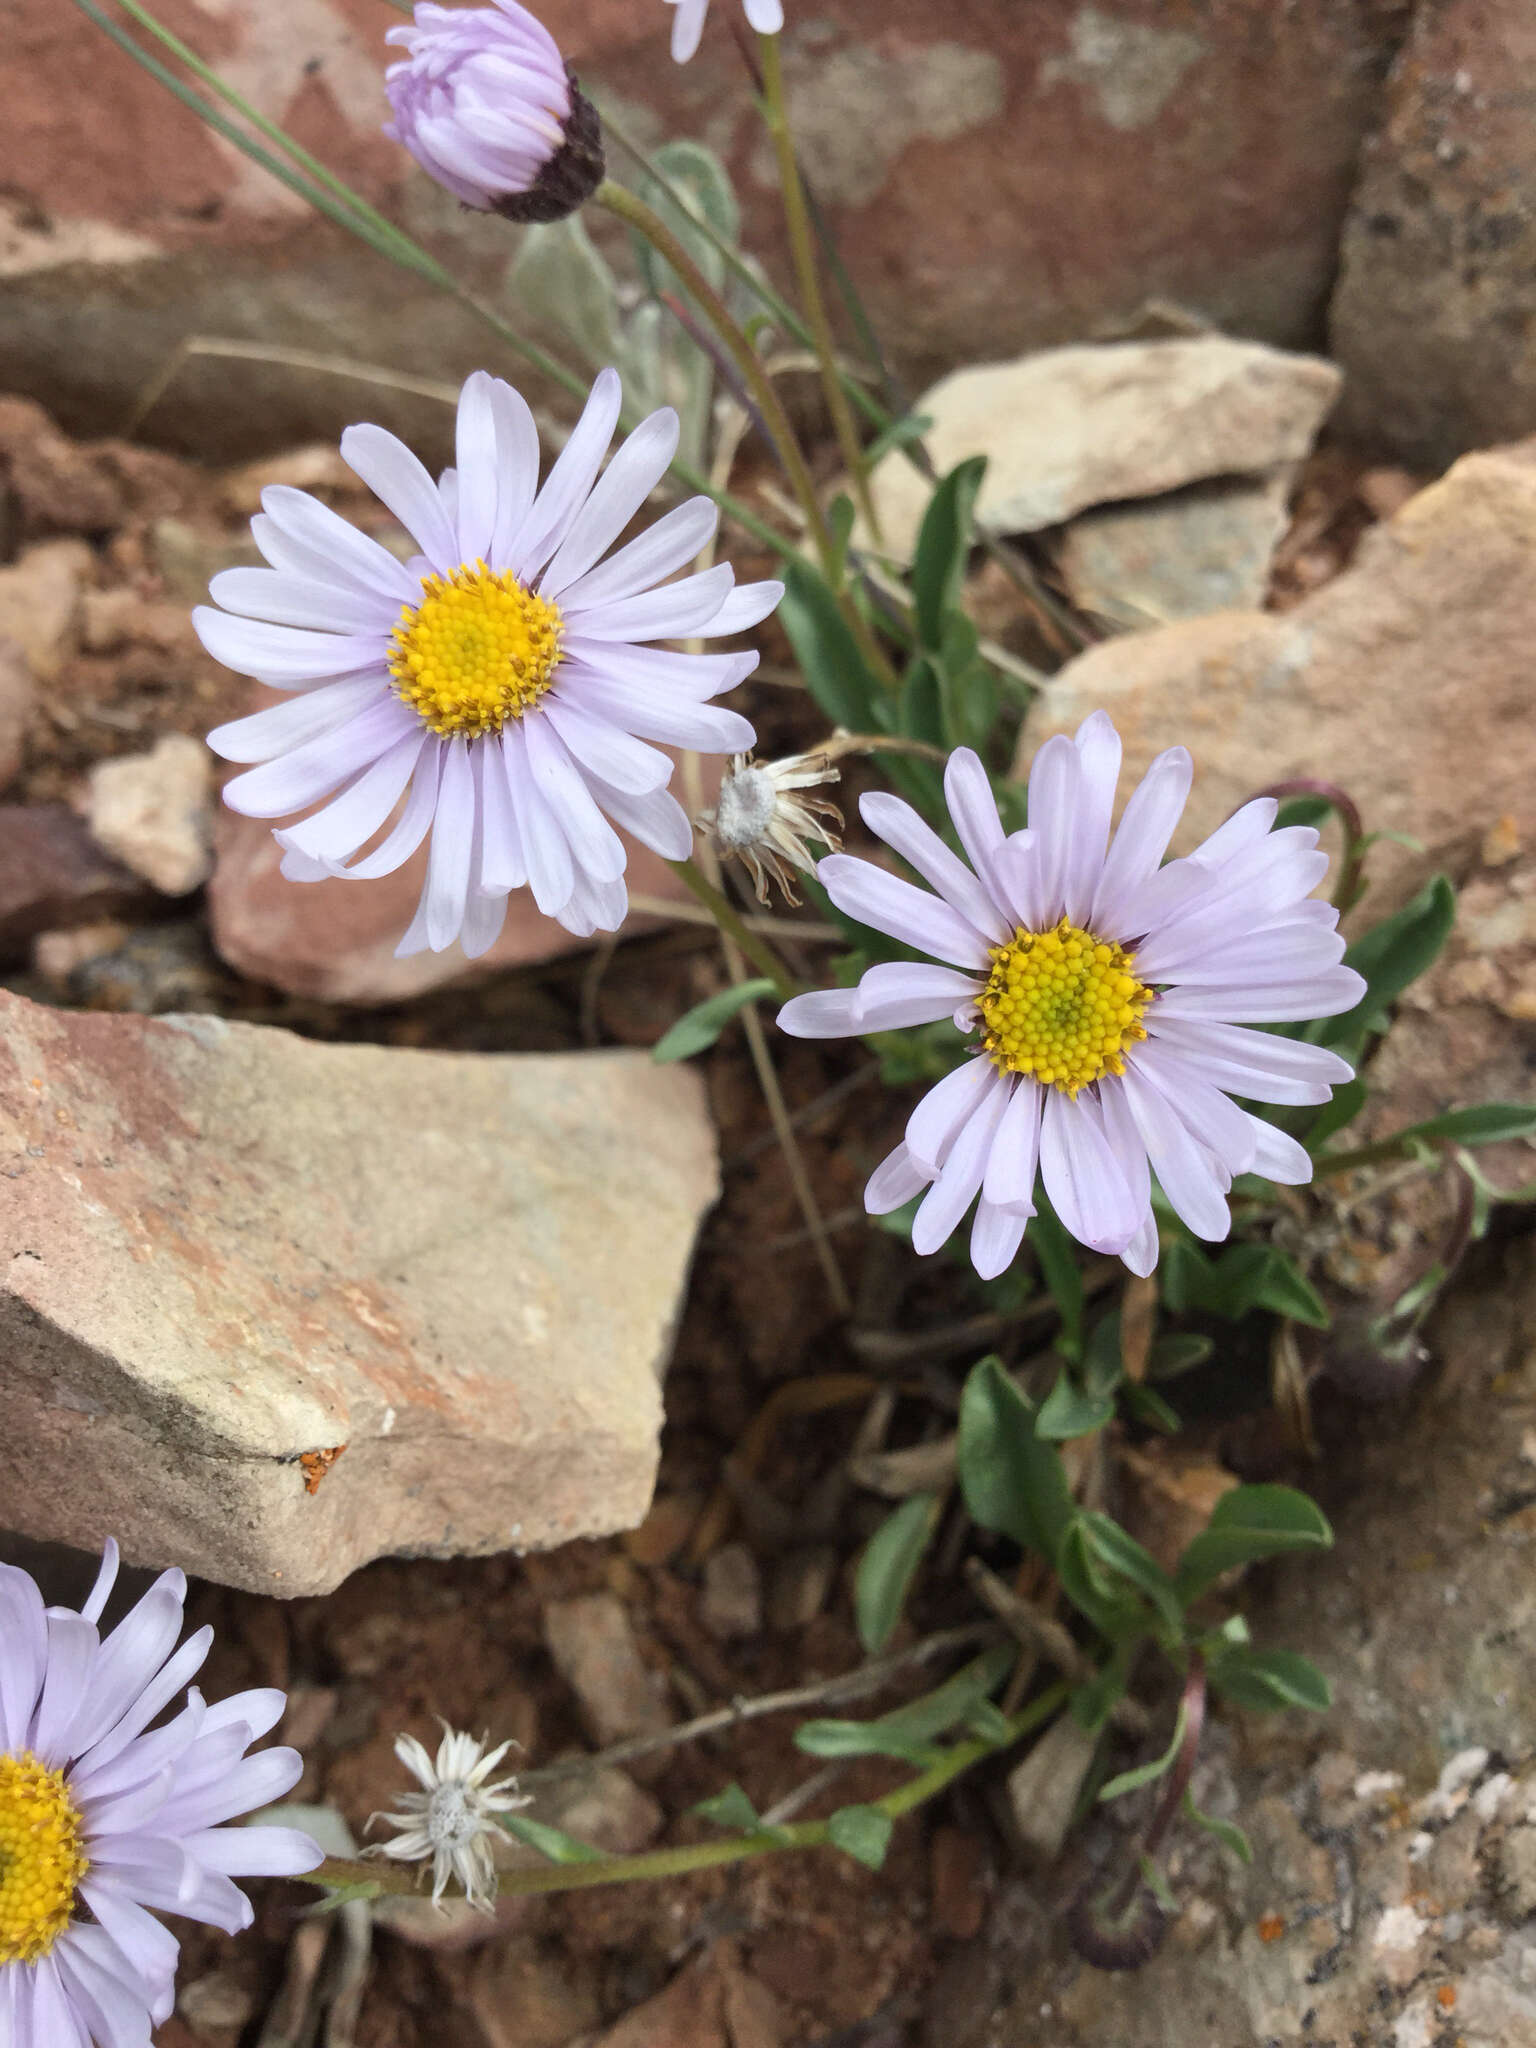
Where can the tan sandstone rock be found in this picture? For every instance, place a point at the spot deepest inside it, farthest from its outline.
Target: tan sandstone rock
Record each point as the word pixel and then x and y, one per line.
pixel 1073 427
pixel 154 812
pixel 271 1309
pixel 1408 680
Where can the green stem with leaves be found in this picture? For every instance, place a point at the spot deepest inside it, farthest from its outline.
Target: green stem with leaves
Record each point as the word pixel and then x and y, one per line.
pixel 802 248
pixel 635 213
pixel 630 208
pixel 361 1875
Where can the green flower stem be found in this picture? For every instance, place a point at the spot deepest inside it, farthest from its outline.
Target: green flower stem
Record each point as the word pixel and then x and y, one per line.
pixel 736 928
pixel 344 1871
pixel 802 246
pixel 741 269
pixel 635 213
pixel 1377 1154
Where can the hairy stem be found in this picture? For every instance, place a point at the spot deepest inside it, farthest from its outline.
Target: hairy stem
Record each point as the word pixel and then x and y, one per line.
pixel 339 1871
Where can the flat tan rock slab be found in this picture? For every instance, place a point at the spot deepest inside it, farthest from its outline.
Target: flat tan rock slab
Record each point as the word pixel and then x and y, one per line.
pixel 1409 680
pixel 270 1309
pixel 1100 423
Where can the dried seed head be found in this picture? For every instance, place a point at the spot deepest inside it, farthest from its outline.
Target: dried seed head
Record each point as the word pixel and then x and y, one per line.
pixel 761 819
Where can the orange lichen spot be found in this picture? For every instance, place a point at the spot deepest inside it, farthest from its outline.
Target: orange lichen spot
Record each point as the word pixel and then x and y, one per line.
pixel 1445 1997
pixel 1271 1927
pixel 315 1465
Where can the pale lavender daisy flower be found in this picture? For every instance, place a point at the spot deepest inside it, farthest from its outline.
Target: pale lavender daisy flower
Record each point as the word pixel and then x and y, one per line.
pixel 488 107
pixel 453 1818
pixel 500 682
pixel 1107 997
pixel 766 16
pixel 99 1819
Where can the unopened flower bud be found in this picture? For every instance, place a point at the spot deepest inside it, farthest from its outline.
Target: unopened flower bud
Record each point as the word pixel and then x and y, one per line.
pixel 489 108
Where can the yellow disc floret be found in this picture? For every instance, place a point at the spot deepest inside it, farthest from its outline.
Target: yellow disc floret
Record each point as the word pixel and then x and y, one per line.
pixel 477 650
pixel 1062 1006
pixel 41 1858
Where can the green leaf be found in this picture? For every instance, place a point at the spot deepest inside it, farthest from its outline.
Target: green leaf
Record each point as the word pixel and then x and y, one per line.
pixel 1068 1411
pixel 922 707
pixel 1148 1406
pixel 553 1843
pixel 943 543
pixel 701 181
pixel 1391 955
pixel 1177 1353
pixel 1012 1480
pixel 827 652
pixel 908 1732
pixel 1347 1102
pixel 1303 810
pixel 1488 1124
pixel 1103 1365
pixel 1145 1774
pixel 901 433
pixel 1243 1278
pixel 1125 1556
pixel 863 1832
pixel 1248 1523
pixel 1266 1680
pixel 889 1565
pixel 1094 1589
pixel 559 270
pixel 697 1029
pixel 1227 1832
pixel 1063 1276
pixel 729 1809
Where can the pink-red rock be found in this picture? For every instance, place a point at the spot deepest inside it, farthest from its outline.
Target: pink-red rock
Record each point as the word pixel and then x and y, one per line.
pixel 270 1309
pixel 53 875
pixel 1000 176
pixel 1436 299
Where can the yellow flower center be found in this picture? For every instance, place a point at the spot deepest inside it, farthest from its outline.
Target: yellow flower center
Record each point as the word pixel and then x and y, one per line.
pixel 1061 1005
pixel 41 1859
pixel 478 649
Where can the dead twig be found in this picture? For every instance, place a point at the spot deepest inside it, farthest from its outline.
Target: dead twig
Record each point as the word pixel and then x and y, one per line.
pixel 848 1685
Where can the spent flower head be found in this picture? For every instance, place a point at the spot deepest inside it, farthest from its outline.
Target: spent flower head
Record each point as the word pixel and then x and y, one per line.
pixel 502 682
pixel 766 16
pixel 1104 998
pixel 452 1819
pixel 100 1819
pixel 489 108
pixel 761 818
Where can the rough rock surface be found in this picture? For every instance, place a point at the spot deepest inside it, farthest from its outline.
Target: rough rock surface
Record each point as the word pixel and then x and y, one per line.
pixel 40 603
pixel 16 699
pixel 1204 549
pixel 1073 427
pixel 1408 680
pixel 1092 155
pixel 154 812
pixel 1391 1902
pixel 1436 297
pixel 54 875
pixel 447 1281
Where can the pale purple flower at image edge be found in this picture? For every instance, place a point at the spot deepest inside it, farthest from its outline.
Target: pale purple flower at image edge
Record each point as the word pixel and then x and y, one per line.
pixel 100 1820
pixel 519 768
pixel 481 101
pixel 766 16
pixel 1178 959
